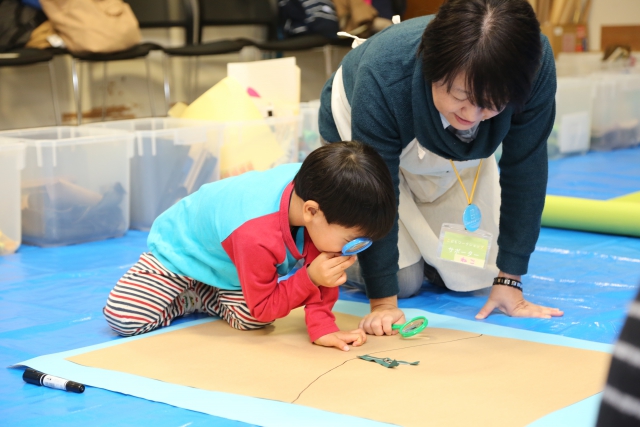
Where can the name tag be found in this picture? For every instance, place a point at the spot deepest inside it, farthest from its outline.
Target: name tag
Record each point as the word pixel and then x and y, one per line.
pixel 464 247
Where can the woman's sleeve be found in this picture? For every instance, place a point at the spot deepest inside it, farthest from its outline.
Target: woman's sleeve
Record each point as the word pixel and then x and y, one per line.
pixel 524 170
pixel 373 123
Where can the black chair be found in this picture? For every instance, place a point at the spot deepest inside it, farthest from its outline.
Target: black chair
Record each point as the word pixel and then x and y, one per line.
pixel 219 47
pixel 150 14
pixel 26 57
pixel 140 51
pixel 265 13
pixel 232 15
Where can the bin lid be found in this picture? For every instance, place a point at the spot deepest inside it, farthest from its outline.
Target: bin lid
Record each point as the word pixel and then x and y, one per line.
pixel 64 135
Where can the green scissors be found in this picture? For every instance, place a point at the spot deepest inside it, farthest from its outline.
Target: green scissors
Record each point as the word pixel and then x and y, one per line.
pixel 412 327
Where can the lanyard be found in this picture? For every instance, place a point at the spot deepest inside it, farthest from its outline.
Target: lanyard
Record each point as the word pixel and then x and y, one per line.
pixel 475 181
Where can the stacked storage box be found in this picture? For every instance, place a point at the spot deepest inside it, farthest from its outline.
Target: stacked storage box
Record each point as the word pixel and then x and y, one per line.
pixel 310 137
pixel 11 164
pixel 258 144
pixel 172 159
pixel 629 109
pixel 75 184
pixel 616 111
pixel 175 157
pixel 572 127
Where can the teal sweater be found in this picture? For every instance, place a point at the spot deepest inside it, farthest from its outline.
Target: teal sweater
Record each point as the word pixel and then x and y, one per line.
pixel 391 104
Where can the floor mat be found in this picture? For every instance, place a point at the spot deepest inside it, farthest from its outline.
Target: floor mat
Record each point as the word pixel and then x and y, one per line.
pixel 51 301
pixel 444 345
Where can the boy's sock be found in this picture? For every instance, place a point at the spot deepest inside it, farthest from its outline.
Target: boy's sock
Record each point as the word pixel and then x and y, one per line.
pixel 190 301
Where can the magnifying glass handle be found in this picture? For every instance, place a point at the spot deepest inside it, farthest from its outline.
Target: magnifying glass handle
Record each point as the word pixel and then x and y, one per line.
pixel 397 326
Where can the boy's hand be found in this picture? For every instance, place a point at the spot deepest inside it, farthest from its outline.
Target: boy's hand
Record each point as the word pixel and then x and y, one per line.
pixel 328 269
pixel 340 339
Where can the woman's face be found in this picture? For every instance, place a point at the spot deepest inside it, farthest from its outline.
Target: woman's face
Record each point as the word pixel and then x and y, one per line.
pixel 455 106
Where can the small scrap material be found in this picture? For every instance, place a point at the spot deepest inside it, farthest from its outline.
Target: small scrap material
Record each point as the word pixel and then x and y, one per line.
pixel 386 362
pixel 7 246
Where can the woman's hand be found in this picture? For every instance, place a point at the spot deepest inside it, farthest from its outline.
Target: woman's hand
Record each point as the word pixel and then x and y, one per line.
pixel 384 313
pixel 512 303
pixel 340 339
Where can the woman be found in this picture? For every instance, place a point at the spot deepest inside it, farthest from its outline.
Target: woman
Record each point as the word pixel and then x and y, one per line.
pixel 434 96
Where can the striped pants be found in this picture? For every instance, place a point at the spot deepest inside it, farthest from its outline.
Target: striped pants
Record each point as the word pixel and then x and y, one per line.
pixel 149 296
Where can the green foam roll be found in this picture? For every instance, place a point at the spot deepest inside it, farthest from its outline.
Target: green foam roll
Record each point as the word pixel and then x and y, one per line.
pixel 615 216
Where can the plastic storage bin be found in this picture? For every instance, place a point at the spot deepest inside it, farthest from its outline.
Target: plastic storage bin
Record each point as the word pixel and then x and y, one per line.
pixel 310 135
pixel 75 184
pixel 258 144
pixel 616 111
pixel 572 126
pixel 172 159
pixel 629 110
pixel 11 163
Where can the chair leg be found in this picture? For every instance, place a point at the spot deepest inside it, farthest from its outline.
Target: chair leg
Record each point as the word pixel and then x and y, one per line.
pixel 166 74
pixel 104 90
pixel 76 91
pixel 328 65
pixel 152 106
pixel 195 83
pixel 189 80
pixel 54 93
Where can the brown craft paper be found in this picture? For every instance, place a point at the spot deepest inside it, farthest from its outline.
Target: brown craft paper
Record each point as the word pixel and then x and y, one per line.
pixel 463 378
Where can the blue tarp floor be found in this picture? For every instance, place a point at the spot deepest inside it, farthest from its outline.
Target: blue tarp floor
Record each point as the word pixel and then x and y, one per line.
pixel 51 301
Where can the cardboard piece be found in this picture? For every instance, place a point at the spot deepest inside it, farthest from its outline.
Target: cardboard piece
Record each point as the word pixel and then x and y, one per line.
pixel 464 378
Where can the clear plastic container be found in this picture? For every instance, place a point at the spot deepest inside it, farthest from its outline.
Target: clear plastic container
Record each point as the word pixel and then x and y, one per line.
pixel 616 111
pixel 572 126
pixel 75 184
pixel 310 136
pixel 628 110
pixel 605 134
pixel 571 64
pixel 11 163
pixel 258 144
pixel 172 159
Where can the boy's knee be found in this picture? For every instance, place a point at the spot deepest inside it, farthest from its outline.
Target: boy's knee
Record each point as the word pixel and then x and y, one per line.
pixel 123 325
pixel 242 325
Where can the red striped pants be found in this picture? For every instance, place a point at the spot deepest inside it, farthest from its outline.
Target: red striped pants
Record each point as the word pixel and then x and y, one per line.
pixel 148 297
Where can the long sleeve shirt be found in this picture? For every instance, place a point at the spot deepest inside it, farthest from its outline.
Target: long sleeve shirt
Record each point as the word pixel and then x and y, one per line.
pixel 235 234
pixel 392 104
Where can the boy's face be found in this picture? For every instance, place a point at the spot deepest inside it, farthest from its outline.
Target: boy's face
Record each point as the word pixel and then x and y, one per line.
pixel 327 237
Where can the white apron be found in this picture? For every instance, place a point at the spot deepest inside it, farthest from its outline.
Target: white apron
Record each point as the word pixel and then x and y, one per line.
pixel 430 195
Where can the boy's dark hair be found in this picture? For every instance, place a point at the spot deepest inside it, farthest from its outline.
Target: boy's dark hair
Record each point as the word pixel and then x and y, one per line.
pixel 352 185
pixel 496 43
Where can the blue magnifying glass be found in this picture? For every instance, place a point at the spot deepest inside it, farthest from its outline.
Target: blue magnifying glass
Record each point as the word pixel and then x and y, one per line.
pixel 356 245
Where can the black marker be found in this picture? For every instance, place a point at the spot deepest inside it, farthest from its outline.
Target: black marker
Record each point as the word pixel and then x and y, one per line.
pixel 38 378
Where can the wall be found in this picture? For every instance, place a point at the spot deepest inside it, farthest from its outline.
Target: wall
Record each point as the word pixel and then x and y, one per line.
pixel 611 12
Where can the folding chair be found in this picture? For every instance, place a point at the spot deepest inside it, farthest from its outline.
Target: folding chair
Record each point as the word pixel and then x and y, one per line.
pixel 25 57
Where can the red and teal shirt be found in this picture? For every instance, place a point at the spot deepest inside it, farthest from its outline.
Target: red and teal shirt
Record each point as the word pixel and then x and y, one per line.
pixel 235 234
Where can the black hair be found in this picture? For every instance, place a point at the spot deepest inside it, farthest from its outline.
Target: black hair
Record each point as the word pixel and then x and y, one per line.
pixel 352 186
pixel 495 43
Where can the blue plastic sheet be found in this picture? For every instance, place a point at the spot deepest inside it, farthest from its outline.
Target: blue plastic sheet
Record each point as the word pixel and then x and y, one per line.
pixel 597 176
pixel 51 301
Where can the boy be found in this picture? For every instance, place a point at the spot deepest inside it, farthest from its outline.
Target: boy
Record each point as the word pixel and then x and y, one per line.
pixel 222 249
